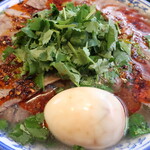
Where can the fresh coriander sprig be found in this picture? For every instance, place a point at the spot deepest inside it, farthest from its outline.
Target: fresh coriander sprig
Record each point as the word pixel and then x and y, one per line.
pixel 137 125
pixel 74 42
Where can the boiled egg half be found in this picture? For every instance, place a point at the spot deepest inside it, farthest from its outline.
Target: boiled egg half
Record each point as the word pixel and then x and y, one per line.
pixel 89 117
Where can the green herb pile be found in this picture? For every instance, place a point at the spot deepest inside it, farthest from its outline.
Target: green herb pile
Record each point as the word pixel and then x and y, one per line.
pixel 28 131
pixel 137 125
pixel 77 43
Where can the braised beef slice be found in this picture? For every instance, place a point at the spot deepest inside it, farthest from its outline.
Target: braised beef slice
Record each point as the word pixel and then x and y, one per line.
pixel 37 102
pixel 50 79
pixel 5 24
pixel 14 114
pixel 41 4
pixel 16 13
pixel 16 109
pixel 4 92
pixel 9 103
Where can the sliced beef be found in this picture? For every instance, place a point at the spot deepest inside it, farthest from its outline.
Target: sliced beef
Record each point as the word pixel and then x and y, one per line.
pixel 5 24
pixel 50 79
pixel 14 114
pixel 4 92
pixel 41 4
pixel 16 13
pixel 15 109
pixel 9 103
pixel 20 91
pixel 24 90
pixel 37 102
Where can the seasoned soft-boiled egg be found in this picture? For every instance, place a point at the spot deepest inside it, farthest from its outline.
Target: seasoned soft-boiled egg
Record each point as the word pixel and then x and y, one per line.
pixel 86 116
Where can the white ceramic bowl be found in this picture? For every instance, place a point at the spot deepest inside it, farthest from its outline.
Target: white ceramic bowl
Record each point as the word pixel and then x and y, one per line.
pixel 140 143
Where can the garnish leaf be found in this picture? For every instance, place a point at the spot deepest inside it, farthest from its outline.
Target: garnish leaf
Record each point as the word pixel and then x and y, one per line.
pixel 3 124
pixel 30 130
pixel 67 71
pixel 137 125
pixel 76 147
pixel 148 39
pixel 7 52
pixel 112 36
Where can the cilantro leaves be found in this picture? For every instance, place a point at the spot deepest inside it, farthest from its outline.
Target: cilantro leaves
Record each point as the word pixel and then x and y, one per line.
pixel 76 147
pixel 137 125
pixel 3 124
pixel 148 39
pixel 75 42
pixel 30 130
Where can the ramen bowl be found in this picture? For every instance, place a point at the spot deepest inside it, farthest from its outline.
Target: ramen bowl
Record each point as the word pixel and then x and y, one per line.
pixel 140 143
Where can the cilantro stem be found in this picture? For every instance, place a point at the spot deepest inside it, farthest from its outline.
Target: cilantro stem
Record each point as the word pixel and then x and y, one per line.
pixel 90 14
pixel 72 49
pixel 58 37
pixel 64 26
pixel 64 11
pixel 117 26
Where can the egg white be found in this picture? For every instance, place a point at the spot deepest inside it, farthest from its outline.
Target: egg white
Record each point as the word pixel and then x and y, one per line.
pixel 85 116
